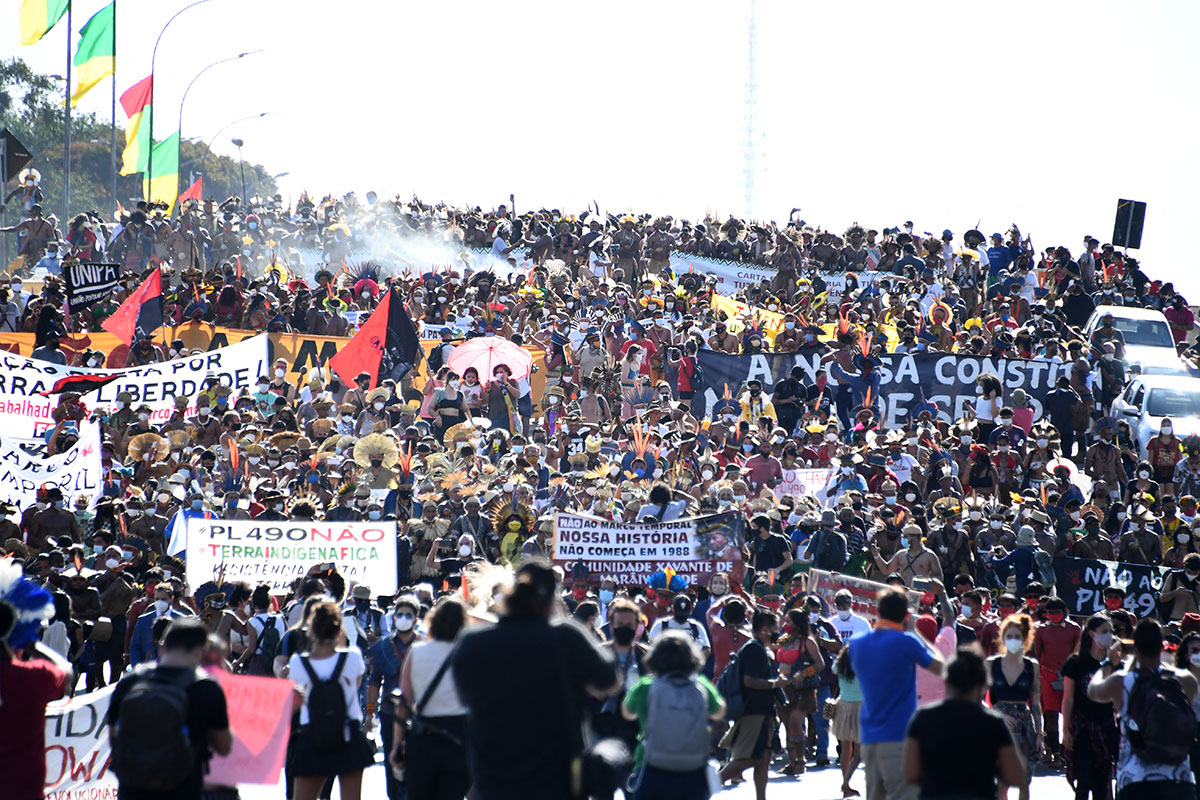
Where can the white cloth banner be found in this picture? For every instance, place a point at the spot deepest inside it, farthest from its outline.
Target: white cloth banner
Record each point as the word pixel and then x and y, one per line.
pixel 78 753
pixel 695 547
pixel 25 412
pixel 277 553
pixel 77 471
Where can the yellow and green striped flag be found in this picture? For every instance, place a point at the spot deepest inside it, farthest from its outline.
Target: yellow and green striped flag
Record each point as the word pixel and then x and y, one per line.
pixel 39 16
pixel 165 185
pixel 96 57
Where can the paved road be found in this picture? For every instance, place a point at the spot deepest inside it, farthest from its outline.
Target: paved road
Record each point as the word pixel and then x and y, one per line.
pixel 816 784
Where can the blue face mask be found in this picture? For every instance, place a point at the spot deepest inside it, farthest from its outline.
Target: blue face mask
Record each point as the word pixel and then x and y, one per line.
pixel 903 542
pixel 606 596
pixel 197 505
pixel 253 225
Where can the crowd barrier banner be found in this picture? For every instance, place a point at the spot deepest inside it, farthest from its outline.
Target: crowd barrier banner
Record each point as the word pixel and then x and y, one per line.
pixel 905 380
pixel 695 547
pixel 1081 582
pixel 260 713
pixel 78 753
pixel 77 471
pixel 304 353
pixel 276 553
pixel 26 412
pixel 826 584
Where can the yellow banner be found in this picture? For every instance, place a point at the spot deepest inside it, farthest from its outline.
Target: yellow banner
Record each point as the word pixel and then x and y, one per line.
pixel 771 322
pixel 303 351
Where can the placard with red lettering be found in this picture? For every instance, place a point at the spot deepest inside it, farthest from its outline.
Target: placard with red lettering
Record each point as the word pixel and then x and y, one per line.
pixel 277 553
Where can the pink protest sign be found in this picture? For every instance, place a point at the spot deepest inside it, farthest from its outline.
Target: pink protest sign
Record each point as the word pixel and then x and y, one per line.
pixel 259 714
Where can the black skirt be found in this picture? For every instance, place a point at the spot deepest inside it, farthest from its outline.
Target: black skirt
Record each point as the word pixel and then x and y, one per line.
pixel 311 761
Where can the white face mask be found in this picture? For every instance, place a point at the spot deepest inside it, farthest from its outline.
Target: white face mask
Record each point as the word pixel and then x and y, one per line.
pixel 404 622
pixel 464 550
pixel 143 417
pixel 1166 430
pixel 1195 659
pixel 831 437
pixel 379 406
pixel 843 614
pixel 966 439
pixel 1121 515
pixel 1043 443
pixel 1183 538
pixel 976 516
pixel 706 474
pixel 996 524
pixel 1143 474
pixel 968 610
pixel 1103 640
pixel 910 497
pixel 1075 516
pixel 1014 645
pixel 279 373
pixel 813 617
pixel 161 606
pixel 134 512
pixel 289 465
pixel 255 459
pixel 112 563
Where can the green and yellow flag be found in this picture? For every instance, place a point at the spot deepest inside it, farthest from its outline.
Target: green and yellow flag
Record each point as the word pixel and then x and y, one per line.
pixel 165 185
pixel 39 16
pixel 96 57
pixel 136 103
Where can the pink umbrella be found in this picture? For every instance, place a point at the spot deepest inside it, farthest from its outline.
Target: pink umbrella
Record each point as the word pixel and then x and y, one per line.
pixel 485 353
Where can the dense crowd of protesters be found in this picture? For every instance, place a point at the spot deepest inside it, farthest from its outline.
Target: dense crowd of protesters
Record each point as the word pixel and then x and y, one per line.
pixel 968 513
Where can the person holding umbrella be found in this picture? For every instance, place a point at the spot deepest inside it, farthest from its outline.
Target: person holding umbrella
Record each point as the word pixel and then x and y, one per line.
pixel 501 396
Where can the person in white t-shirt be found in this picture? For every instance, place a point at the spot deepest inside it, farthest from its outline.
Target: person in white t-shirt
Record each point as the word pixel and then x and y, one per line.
pixel 315 760
pixel 681 620
pixel 845 621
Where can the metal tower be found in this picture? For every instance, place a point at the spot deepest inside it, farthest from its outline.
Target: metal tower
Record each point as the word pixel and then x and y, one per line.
pixel 750 153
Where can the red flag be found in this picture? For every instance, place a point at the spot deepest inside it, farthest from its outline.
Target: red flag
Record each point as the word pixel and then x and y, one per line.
pixel 386 346
pixel 194 192
pixel 141 314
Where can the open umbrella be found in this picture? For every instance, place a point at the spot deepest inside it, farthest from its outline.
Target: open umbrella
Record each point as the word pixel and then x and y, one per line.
pixel 485 353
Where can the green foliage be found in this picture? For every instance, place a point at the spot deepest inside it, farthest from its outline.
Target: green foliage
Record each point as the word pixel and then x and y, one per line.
pixel 31 106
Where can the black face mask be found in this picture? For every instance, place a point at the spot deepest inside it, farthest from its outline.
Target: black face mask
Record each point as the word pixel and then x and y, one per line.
pixel 623 635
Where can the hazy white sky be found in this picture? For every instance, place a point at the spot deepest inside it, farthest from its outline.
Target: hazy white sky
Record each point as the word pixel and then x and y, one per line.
pixel 945 113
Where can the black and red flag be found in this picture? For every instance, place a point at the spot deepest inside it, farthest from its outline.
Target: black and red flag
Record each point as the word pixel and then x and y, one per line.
pixel 385 347
pixel 141 314
pixel 79 383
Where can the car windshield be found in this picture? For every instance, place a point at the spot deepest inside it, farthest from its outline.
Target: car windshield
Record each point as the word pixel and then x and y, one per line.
pixel 1173 403
pixel 1145 332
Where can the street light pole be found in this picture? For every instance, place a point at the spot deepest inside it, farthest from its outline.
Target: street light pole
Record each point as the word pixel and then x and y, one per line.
pixel 227 126
pixel 197 77
pixel 153 55
pixel 238 144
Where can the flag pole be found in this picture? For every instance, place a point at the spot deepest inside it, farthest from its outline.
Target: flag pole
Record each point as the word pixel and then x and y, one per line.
pixel 113 114
pixel 67 149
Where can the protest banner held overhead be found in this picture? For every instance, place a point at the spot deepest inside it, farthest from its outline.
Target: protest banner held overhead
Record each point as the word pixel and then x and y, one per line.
pixel 277 553
pixel 906 380
pixel 78 471
pixel 1081 582
pixel 694 547
pixel 88 283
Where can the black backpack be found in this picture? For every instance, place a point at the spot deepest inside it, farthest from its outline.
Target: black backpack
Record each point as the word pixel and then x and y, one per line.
pixel 151 748
pixel 326 706
pixel 268 640
pixel 729 684
pixel 1159 719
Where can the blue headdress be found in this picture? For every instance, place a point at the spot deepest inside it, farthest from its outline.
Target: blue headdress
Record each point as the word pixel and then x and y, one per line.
pixel 32 605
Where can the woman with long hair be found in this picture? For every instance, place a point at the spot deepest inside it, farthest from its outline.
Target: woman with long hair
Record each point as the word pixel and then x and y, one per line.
pixel 674 661
pixel 1090 732
pixel 799 656
pixel 321 753
pixel 845 722
pixel 1014 684
pixel 432 753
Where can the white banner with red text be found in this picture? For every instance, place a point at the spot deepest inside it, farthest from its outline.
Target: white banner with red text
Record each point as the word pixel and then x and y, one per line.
pixel 277 553
pixel 695 547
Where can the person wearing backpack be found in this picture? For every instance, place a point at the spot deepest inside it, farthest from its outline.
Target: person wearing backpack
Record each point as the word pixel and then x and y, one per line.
pixel 673 705
pixel 681 620
pixel 166 719
pixel 331 740
pixel 1156 718
pixel 268 632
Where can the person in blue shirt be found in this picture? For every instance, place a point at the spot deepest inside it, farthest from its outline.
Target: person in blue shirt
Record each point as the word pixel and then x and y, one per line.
pixel 885 661
pixel 1000 255
pixel 1021 559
